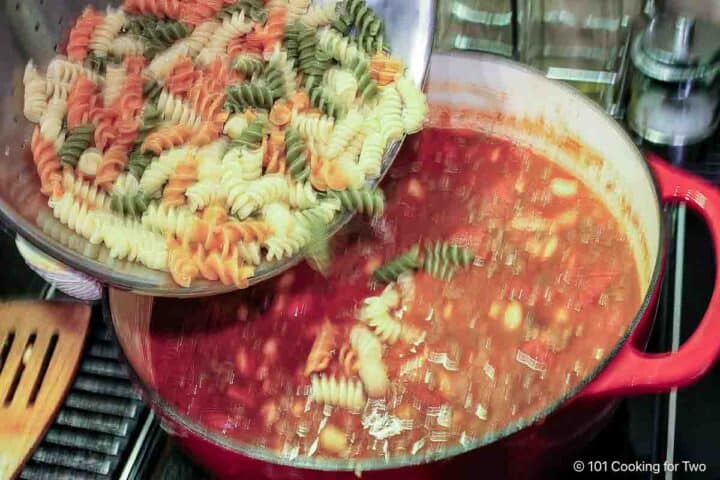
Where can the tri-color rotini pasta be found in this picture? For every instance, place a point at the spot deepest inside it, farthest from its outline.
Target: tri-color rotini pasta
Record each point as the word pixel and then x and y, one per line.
pixel 223 134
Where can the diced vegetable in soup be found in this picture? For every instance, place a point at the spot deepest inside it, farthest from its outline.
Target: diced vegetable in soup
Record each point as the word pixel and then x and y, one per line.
pixel 494 283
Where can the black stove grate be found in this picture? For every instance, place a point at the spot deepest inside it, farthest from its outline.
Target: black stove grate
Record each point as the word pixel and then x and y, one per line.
pixel 99 423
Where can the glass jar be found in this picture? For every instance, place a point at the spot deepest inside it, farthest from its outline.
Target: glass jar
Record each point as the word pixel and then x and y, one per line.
pixel 675 94
pixel 583 42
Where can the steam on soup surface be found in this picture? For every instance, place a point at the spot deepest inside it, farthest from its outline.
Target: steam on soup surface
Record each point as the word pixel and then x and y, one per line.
pixel 345 366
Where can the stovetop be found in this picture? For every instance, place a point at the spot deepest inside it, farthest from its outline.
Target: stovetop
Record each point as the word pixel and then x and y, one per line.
pixel 104 431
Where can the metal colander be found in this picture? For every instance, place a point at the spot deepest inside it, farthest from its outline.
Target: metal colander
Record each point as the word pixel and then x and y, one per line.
pixel 37 29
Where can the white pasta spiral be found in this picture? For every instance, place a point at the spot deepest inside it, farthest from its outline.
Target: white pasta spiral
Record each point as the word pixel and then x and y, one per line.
pixel 92 195
pixel 231 27
pixel 105 33
pixel 114 82
pixel 313 126
pixel 160 170
pixel 371 368
pixel 161 66
pixel 129 240
pixel 302 195
pixel 64 71
pixel 175 110
pixel 35 101
pixel 203 193
pixel 342 392
pixel 51 122
pixel 376 312
pixel 240 163
pixel 371 155
pixel 201 36
pixel 268 189
pixel 339 47
pixel 77 216
pixel 342 84
pixel 320 15
pixel 390 111
pixel 89 161
pixel 165 220
pixel 345 132
pixel 126 45
pixel 416 106
pixel 250 252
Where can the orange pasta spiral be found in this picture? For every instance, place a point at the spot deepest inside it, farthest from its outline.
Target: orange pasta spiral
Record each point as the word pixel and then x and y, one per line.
pixel 243 44
pixel 184 176
pixel 105 130
pixel 182 77
pixel 204 102
pixel 205 134
pixel 218 75
pixel 274 160
pixel 47 163
pixel 228 269
pixel 181 263
pixel 111 166
pixel 159 8
pixel 385 69
pixel 322 349
pixel 130 99
pixel 166 138
pixel 126 131
pixel 134 64
pixel 194 12
pixel 80 35
pixel 80 100
pixel 272 32
pixel 226 235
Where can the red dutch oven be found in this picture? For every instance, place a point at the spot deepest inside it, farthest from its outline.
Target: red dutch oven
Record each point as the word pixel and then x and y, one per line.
pixel 507 100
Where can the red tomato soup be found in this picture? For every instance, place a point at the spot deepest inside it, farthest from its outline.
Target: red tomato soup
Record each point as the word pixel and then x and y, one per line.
pixel 343 366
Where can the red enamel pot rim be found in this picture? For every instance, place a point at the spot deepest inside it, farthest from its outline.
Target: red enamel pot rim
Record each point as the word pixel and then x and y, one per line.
pixel 623 371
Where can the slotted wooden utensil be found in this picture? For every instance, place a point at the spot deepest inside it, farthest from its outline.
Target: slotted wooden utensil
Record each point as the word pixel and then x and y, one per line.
pixel 40 346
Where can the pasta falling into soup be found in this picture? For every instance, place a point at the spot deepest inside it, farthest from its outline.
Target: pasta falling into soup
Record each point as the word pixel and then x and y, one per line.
pixel 493 284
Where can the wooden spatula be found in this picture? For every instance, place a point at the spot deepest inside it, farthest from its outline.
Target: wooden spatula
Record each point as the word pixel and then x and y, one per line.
pixel 40 345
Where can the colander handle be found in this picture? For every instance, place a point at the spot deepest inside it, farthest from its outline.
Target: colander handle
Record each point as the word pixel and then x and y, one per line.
pixel 634 372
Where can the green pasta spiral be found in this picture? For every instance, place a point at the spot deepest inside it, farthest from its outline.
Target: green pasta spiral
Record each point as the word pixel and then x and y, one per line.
pixel 367 87
pixel 77 141
pixel 405 262
pixel 297 156
pixel 248 63
pixel 438 268
pixel 370 28
pixel 451 253
pixel 322 99
pixel 274 79
pixel 133 205
pixel 292 33
pixel 96 63
pixel 253 9
pixel 152 90
pixel 343 21
pixel 253 134
pixel 158 35
pixel 253 94
pixel 166 33
pixel 139 162
pixel 442 259
pixel 368 201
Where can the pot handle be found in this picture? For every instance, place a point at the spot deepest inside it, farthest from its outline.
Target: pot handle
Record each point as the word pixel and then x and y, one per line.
pixel 633 371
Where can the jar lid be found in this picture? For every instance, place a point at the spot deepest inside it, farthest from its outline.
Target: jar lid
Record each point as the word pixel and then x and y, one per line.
pixel 678 48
